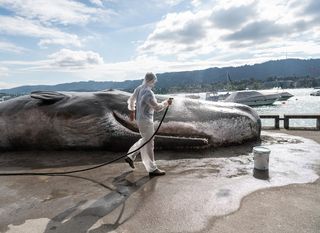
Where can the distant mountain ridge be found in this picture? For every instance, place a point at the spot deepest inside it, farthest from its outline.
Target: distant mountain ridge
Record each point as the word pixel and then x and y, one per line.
pixel 74 86
pixel 263 71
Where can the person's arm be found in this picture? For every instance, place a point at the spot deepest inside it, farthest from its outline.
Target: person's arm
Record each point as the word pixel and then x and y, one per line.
pixel 132 104
pixel 157 106
pixel 132 101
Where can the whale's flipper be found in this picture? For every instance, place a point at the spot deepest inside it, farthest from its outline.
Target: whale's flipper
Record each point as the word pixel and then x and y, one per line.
pixel 47 97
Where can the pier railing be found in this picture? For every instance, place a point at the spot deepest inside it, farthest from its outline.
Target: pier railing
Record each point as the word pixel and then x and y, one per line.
pixel 286 121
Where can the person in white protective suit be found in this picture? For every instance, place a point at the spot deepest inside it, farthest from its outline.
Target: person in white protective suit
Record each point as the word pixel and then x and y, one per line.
pixel 142 104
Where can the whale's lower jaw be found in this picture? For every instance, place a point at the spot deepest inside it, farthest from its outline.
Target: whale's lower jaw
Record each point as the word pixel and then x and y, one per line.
pixel 176 135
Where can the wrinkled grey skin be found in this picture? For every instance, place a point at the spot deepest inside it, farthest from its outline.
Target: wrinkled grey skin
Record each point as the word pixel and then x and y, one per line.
pixel 99 120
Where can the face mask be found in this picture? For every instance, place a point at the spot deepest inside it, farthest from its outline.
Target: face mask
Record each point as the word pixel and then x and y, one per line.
pixel 151 83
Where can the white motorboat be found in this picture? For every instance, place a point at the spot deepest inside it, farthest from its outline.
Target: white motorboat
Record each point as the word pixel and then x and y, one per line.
pixel 315 93
pixel 191 96
pixel 284 95
pixel 252 98
pixel 216 96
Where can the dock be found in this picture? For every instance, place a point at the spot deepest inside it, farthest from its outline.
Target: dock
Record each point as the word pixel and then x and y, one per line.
pixel 286 121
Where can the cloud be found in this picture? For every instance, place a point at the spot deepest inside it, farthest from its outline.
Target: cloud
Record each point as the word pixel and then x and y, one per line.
pixel 262 30
pixel 181 28
pixel 177 35
pixel 266 30
pixel 136 68
pixel 194 33
pixel 4 71
pixel 217 30
pixel 87 65
pixel 57 11
pixel 63 41
pixel 176 32
pixel 66 58
pixel 233 17
pixel 5 85
pixel 196 3
pixel 10 47
pixel 313 7
pixel 170 2
pixel 97 2
pixel 18 26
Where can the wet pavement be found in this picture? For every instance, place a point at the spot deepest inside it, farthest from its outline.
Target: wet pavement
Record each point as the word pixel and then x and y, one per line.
pixel 201 192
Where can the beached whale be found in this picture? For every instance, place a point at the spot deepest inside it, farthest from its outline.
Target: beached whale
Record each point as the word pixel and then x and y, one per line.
pixel 62 120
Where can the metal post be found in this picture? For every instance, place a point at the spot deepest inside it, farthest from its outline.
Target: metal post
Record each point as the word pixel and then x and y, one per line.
pixel 276 122
pixel 286 122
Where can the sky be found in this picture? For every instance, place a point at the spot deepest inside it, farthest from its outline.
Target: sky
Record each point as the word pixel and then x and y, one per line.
pixel 59 41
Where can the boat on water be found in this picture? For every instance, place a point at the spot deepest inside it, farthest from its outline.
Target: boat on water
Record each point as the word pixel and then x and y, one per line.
pixel 216 97
pixel 284 95
pixel 315 93
pixel 252 98
pixel 192 96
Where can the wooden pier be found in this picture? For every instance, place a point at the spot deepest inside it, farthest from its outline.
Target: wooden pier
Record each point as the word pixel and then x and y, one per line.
pixel 286 121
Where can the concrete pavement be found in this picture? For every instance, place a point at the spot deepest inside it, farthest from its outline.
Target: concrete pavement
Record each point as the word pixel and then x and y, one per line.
pixel 117 199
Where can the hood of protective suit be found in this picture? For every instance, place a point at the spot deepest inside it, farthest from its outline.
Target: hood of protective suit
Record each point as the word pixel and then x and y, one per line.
pixel 150 80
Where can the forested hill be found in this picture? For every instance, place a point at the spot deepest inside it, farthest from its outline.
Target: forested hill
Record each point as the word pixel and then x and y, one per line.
pixel 279 68
pixel 287 68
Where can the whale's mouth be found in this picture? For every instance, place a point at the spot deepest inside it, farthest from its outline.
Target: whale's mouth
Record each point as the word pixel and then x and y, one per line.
pixel 183 134
pixel 125 122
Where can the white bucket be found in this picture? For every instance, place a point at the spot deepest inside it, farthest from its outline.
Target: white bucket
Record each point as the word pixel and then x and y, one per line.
pixel 261 157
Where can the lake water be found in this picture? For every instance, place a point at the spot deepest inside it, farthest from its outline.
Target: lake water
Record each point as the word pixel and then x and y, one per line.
pixel 300 103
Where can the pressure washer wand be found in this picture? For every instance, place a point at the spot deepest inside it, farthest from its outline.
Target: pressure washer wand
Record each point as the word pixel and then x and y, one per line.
pixel 90 168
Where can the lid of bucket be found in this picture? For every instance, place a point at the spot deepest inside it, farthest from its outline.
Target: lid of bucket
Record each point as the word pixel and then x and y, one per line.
pixel 261 149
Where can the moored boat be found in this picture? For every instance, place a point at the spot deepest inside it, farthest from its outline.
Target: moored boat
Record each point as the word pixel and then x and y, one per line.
pixel 284 95
pixel 315 93
pixel 252 98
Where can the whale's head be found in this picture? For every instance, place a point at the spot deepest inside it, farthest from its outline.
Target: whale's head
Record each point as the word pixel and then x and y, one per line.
pixel 220 123
pixel 217 123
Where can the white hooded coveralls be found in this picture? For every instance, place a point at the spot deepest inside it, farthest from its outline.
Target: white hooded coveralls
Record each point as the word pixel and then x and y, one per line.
pixel 144 102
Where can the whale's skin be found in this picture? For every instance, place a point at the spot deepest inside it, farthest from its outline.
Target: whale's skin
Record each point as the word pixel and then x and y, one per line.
pixel 99 120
